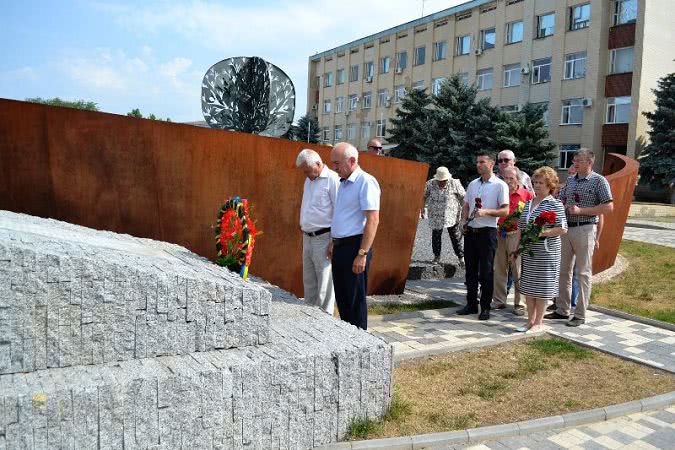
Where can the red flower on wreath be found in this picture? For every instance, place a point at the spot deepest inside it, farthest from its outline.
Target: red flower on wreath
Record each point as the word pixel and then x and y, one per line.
pixel 478 203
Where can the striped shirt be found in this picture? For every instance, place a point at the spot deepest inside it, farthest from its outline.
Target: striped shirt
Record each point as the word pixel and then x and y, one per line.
pixel 585 192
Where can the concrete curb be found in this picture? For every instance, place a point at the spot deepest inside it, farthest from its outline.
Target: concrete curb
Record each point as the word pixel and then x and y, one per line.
pixel 495 432
pixel 632 317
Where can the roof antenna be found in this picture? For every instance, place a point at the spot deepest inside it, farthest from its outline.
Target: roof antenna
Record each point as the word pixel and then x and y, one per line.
pixel 423 8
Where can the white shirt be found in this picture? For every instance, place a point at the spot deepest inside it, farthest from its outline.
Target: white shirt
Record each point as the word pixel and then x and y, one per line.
pixel 358 193
pixel 493 194
pixel 318 200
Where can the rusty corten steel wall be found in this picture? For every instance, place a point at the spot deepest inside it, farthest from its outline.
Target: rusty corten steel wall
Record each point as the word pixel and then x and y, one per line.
pixel 167 181
pixel 621 173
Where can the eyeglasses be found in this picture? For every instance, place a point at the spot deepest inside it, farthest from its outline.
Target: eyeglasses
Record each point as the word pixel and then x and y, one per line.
pixel 375 147
pixel 503 160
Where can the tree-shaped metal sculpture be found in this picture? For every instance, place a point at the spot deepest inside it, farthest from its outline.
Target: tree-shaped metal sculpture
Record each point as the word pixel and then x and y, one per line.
pixel 249 95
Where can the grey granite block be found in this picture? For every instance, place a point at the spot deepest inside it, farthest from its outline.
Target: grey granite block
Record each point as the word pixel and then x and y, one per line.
pixel 658 401
pixel 400 443
pixel 584 417
pixel 623 409
pixel 542 424
pixel 440 439
pixel 492 432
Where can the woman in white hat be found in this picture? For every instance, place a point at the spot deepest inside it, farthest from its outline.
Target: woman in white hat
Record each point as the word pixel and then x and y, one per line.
pixel 443 198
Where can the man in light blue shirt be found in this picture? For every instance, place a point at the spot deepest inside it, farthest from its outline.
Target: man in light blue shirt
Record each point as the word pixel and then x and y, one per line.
pixel 355 220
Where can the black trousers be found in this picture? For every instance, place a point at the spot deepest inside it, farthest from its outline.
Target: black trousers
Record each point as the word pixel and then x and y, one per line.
pixel 350 288
pixel 455 238
pixel 480 245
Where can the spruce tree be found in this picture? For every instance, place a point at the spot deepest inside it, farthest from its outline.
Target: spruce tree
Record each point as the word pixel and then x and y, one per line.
pixel 526 134
pixel 304 126
pixel 657 163
pixel 410 127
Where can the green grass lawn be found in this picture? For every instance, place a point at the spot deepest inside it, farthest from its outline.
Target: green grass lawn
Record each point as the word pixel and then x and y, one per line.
pixel 395 308
pixel 647 286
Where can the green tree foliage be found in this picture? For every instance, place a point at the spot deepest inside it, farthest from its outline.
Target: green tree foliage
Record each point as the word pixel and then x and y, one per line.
pixel 56 101
pixel 306 126
pixel 137 114
pixel 526 134
pixel 409 131
pixel 657 163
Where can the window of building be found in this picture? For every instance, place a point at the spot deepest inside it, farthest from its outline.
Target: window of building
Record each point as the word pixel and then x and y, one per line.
pixel 351 132
pixel 625 11
pixel 545 115
pixel 353 102
pixel 572 112
pixel 484 79
pixel 440 50
pixel 381 127
pixel 621 60
pixel 383 98
pixel 317 82
pixel 326 134
pixel 385 62
pixel 464 77
pixel 541 70
pixel 545 25
pixel 328 79
pixel 488 38
pixel 326 106
pixel 420 54
pixel 462 16
pixel 338 133
pixel 618 109
pixel 365 130
pixel 580 16
pixel 509 109
pixel 436 84
pixel 488 8
pixel 419 85
pixel 512 2
pixel 340 76
pixel 368 70
pixel 401 61
pixel 575 65
pixel 367 100
pixel 512 75
pixel 399 93
pixel 514 32
pixel 463 45
pixel 567 152
pixel 339 104
pixel 354 73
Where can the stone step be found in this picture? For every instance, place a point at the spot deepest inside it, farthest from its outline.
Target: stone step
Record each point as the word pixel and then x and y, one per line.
pixel 425 270
pixel 301 390
pixel 71 295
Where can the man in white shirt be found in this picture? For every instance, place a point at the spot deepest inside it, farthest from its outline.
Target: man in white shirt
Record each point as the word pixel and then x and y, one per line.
pixel 316 214
pixel 487 199
pixel 355 221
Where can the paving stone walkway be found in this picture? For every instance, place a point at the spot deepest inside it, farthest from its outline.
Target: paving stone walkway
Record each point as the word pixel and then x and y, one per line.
pixel 664 236
pixel 651 430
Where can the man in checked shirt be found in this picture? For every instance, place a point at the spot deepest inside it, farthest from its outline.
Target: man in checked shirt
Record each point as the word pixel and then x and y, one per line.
pixel 586 196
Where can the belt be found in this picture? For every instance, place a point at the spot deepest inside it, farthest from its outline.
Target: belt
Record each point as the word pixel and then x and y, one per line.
pixel 317 232
pixel 480 230
pixel 347 240
pixel 576 224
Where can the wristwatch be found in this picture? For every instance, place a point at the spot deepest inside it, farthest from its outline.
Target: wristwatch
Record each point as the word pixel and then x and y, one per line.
pixel 363 252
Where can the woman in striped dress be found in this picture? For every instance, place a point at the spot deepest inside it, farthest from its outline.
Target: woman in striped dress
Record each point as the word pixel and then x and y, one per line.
pixel 540 272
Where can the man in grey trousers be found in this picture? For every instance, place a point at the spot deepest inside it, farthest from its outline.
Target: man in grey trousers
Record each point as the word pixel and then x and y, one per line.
pixel 316 213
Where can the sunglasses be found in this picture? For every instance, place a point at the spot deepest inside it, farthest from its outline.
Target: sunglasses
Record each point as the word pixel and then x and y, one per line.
pixel 503 160
pixel 375 147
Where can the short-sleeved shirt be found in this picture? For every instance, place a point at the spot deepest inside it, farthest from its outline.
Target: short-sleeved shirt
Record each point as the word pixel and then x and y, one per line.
pixel 444 204
pixel 585 192
pixel 318 201
pixel 493 194
pixel 519 195
pixel 358 193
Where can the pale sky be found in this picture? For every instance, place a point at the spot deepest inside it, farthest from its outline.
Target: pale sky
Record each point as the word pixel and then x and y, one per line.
pixel 152 55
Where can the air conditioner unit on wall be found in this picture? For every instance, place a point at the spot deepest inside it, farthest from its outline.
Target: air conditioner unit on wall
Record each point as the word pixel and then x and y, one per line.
pixel 478 51
pixel 399 70
pixel 587 102
pixel 369 79
pixel 315 107
pixel 525 70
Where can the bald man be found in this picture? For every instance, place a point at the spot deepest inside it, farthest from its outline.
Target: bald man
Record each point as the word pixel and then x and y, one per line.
pixel 355 220
pixel 374 147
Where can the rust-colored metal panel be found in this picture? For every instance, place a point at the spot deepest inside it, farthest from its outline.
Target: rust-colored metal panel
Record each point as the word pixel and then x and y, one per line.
pixel 167 181
pixel 621 36
pixel 618 84
pixel 621 172
pixel 614 134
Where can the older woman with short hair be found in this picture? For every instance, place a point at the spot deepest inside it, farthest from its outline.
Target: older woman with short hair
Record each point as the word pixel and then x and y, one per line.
pixel 540 272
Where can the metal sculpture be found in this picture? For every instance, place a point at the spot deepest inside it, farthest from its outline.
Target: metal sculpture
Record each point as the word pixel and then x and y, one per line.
pixel 249 95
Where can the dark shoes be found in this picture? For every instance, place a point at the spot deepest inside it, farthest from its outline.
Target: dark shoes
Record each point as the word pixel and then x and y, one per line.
pixel 499 306
pixel 484 315
pixel 466 311
pixel 575 322
pixel 554 315
pixel 551 307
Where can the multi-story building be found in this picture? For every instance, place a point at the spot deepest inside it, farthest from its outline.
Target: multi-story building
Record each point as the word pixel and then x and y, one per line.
pixel 592 62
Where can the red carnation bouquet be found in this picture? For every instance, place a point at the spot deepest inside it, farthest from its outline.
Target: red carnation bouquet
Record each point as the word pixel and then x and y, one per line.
pixel 235 236
pixel 532 232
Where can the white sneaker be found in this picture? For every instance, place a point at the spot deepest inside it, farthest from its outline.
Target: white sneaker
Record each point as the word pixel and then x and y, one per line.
pixel 523 329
